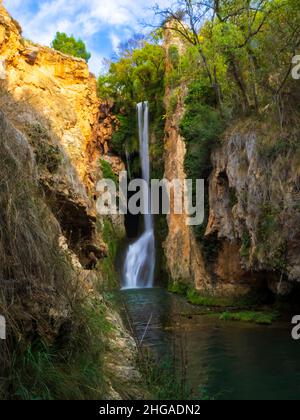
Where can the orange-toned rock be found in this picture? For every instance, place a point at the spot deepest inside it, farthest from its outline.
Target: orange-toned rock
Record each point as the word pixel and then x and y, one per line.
pixel 58 89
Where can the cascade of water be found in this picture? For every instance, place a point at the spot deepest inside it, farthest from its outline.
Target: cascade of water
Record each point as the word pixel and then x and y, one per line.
pixel 140 258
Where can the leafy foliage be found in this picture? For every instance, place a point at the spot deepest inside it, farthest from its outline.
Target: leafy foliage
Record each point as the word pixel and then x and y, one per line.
pixel 137 76
pixel 69 45
pixel 107 172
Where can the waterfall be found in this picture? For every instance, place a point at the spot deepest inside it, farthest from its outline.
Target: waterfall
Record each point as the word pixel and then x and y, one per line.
pixel 140 258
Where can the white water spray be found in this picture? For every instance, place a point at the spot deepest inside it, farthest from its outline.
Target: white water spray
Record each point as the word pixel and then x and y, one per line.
pixel 140 259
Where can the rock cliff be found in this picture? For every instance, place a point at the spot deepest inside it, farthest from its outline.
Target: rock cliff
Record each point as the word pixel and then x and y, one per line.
pixel 253 212
pixel 254 206
pixel 54 129
pixel 183 256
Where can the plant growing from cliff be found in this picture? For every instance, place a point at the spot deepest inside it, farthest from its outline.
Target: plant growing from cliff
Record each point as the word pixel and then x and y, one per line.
pixel 48 155
pixel 201 127
pixel 233 199
pixel 58 355
pixel 246 244
pixel 244 49
pixel 112 236
pixel 268 223
pixel 196 298
pixel 107 171
pixel 71 46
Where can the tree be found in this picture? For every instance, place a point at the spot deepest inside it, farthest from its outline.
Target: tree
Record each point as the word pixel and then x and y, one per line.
pixel 186 17
pixel 245 18
pixel 69 45
pixel 138 75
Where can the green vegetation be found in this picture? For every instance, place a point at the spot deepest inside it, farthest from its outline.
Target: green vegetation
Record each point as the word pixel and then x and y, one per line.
pixel 268 222
pixel 238 51
pixel 178 288
pixel 246 244
pixel 73 372
pixel 164 380
pixel 250 316
pixel 252 299
pixel 137 76
pixel 201 126
pixel 47 155
pixel 196 298
pixel 71 46
pixel 112 236
pixel 107 172
pixel 161 379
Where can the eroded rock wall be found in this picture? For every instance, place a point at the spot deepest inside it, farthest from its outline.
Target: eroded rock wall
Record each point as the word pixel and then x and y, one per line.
pixel 252 233
pixel 54 130
pixel 254 207
pixel 55 87
pixel 183 255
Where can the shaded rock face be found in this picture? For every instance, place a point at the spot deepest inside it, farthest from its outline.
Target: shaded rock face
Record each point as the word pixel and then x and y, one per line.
pixel 254 207
pixel 37 302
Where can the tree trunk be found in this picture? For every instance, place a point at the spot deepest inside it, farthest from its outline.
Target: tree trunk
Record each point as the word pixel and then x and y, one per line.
pixel 240 83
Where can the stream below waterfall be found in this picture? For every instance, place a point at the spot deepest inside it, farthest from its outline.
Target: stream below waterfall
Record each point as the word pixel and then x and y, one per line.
pixel 226 360
pixel 217 359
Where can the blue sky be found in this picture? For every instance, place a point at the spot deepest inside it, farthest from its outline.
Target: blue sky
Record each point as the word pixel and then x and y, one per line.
pixel 102 24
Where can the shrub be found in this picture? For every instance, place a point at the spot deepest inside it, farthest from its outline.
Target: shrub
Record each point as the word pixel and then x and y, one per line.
pixel 107 172
pixel 112 236
pixel 178 288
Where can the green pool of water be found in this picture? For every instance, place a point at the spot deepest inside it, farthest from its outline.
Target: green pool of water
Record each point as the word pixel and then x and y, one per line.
pixel 229 360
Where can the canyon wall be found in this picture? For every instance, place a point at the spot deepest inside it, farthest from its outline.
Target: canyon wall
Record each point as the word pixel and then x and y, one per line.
pixel 253 214
pixel 183 256
pixel 54 130
pixel 254 207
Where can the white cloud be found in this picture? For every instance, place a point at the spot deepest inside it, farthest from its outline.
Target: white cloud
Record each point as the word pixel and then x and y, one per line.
pixel 115 41
pixel 96 63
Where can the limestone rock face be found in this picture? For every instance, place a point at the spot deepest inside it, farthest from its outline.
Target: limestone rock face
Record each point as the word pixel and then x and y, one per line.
pixel 53 131
pixel 58 90
pixel 183 255
pixel 52 99
pixel 254 209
